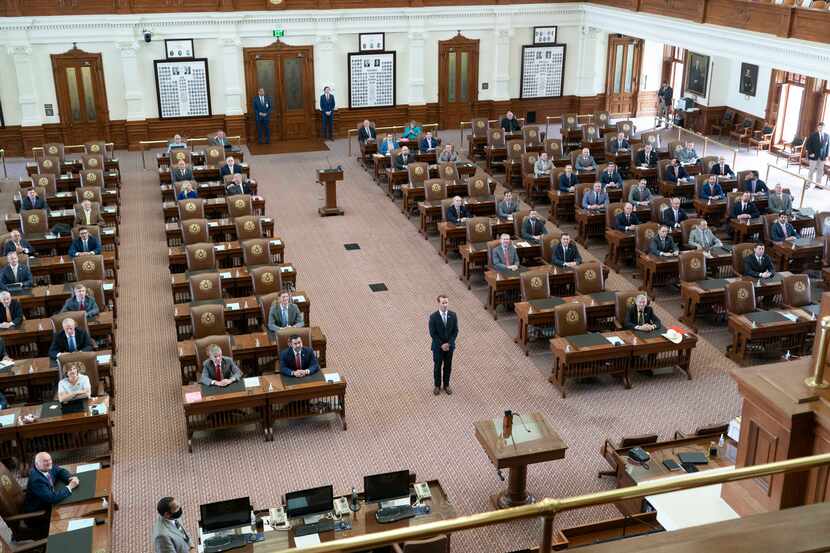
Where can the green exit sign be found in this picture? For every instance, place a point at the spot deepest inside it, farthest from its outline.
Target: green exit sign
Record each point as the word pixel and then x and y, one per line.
pixel 279 33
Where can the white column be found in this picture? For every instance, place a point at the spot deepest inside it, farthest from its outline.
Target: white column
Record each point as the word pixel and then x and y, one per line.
pixel 30 113
pixel 133 94
pixel 232 74
pixel 325 69
pixel 416 66
pixel 588 76
pixel 501 62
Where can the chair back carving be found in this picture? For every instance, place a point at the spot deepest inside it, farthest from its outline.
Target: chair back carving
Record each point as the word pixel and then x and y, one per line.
pixel 201 346
pixel 256 251
pixel 796 289
pixel 266 280
pixel 248 227
pixel 515 149
pixel 54 149
pixel 686 228
pixel 205 286
pixel 553 146
pixel 658 205
pixel 549 243
pixel 92 177
pixel 180 154
pixel 531 136
pixel 97 147
pixel 692 266
pixel 448 173
pixel 92 161
pixel 589 278
pixel 480 126
pixel 239 205
pixel 89 267
pixel 601 119
pixel 478 230
pixel 200 257
pixel 579 191
pixel 87 363
pixel 740 297
pixel 518 221
pixel 612 211
pixel 478 185
pixel 590 133
pixel 284 336
pixel 91 193
pixel 625 299
pixel 435 190
pixel 214 156
pixel 495 138
pixel 707 163
pixel 570 319
pixel 47 182
pixel 570 122
pixel 626 127
pixel 418 173
pixel 49 165
pixel 34 222
pixel 739 253
pixel 78 316
pixel 191 208
pixel 528 161
pixel 643 236
pixel 535 285
pixel 207 320
pixel 194 230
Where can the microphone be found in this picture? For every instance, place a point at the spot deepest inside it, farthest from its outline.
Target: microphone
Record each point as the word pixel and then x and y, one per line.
pixel 355 504
pixel 521 420
pixel 329 163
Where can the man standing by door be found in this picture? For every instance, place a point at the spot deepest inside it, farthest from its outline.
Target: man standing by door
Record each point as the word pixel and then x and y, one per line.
pixel 327 109
pixel 817 151
pixel 262 111
pixel 443 329
pixel 664 98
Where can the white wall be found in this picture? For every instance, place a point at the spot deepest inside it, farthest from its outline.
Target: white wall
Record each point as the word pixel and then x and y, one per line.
pixel 652 65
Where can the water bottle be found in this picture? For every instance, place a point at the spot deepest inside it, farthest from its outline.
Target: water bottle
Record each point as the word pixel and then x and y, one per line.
pixel 105 505
pixel 721 441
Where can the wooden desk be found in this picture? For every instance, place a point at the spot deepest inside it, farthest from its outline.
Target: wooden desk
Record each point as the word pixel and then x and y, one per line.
pixel 781 335
pixel 67 217
pixel 198 157
pixel 236 283
pixel 799 255
pixel 63 513
pixel 228 254
pixel 215 208
pixel 50 245
pixel 590 224
pixel 532 440
pixel 73 165
pixel 41 301
pixel 67 200
pixel 262 404
pixel 38 333
pixel 474 256
pixel 681 189
pixel 207 190
pixel 218 230
pixel 33 380
pixel 452 236
pixel 412 195
pixel 68 182
pixel 562 204
pixel 201 172
pixel 61 267
pixel 660 271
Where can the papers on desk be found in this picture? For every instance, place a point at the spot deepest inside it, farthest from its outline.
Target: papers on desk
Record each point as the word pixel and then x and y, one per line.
pixel 266 219
pixel 50 236
pixel 285 269
pixel 510 217
pixel 192 397
pixel 615 340
pixel 734 431
pixel 213 224
pixel 790 316
pixel 78 523
pixel 63 194
pixel 298 299
pixel 109 285
pixel 523 244
pixel 332 378
pixel 307 541
pixel 252 382
pixel 88 467
pixel 6 364
pixel 104 358
pixel 225 274
pixel 109 231
pixel 276 242
pixel 7 420
pixel 203 185
pixel 219 247
pixel 233 306
pixel 55 213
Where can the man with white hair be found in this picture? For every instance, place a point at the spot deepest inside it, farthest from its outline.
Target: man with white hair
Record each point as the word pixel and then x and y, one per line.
pixel 42 490
pixel 70 339
pixel 219 370
pixel 640 316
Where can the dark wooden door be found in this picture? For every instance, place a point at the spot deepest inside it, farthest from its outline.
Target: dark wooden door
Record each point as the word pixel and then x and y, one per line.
pixel 457 80
pixel 82 96
pixel 623 75
pixel 287 75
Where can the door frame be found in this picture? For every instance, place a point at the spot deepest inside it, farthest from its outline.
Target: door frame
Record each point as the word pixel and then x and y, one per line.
pixel 83 58
pixel 444 47
pixel 614 39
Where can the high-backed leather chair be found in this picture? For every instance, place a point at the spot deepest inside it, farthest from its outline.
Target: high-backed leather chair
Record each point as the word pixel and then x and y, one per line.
pixel 589 278
pixel 661 168
pixel 200 257
pixel 265 302
pixel 89 267
pixel 553 146
pixel 96 289
pixel 611 212
pixel 205 286
pixel 49 165
pixel 91 193
pixel 740 297
pixel 435 544
pixel 692 266
pixel 94 230
pixel 92 161
pixel 739 253
pixel 207 320
pixel 435 190
pixel 534 285
pixel 478 230
pixel 78 316
pixel 478 185
pixel 601 119
pixel 625 299
pixel 495 139
pixel 643 236
pixel 531 137
pixel 418 173
pixel 202 345
pixel 492 245
pixel 579 191
pixel 87 363
pixel 194 230
pixel 248 227
pixel 180 154
pixel 445 205
pixel 47 182
pixel 239 205
pixel 768 220
pixel 448 173
pixel 796 290
pixel 12 499
pixel 518 221
pixel 686 228
pixel 256 252
pixel 590 133
pixel 570 319
pixel 97 147
pixel 707 162
pixel 570 121
pixel 480 126
pixel 549 243
pixel 191 208
pixel 214 156
pixel 285 334
pixel 820 217
pixel 34 222
pixel 513 164
pixel 658 205
pixel 92 178
pixel 54 149
pixel 265 280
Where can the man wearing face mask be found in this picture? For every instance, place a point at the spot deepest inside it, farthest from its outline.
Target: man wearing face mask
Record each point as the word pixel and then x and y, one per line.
pixel 169 535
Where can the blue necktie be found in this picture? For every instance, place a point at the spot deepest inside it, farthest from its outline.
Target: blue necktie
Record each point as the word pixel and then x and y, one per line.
pixel 284 317
pixel 72 343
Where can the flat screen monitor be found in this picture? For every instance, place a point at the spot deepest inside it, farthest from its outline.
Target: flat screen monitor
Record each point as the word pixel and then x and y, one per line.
pixel 390 485
pixel 309 502
pixel 226 514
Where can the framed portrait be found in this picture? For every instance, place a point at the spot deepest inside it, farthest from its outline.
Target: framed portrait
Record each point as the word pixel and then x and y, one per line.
pixel 182 88
pixel 543 70
pixel 544 35
pixel 697 73
pixel 178 48
pixel 372 42
pixel 371 79
pixel 749 79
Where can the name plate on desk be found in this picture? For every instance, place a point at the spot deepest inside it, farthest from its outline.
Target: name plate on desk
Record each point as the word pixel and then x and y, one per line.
pixel 588 340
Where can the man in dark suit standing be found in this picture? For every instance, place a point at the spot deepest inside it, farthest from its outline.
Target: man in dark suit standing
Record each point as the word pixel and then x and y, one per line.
pixel 818 148
pixel 366 132
pixel 15 273
pixel 664 96
pixel 758 265
pixel 262 113
pixel 298 361
pixel 219 370
pixel 70 339
pixel 327 111
pixel 640 316
pixel 443 329
pixel 231 167
pixel 42 489
pixel 11 312
pixel 32 201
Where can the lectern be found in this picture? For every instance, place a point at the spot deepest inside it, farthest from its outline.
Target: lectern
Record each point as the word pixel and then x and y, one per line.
pixel 329 178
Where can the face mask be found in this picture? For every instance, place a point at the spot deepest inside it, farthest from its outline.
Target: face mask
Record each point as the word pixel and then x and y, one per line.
pixel 176 515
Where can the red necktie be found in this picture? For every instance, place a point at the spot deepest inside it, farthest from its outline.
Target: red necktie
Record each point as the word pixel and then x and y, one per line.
pixel 297 361
pixel 218 369
pixel 49 478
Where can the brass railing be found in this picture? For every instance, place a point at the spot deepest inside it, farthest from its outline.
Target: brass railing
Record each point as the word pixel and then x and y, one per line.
pixel 805 182
pixel 353 132
pixel 150 144
pixel 37 151
pixel 706 141
pixel 469 125
pixel 549 507
pixel 586 118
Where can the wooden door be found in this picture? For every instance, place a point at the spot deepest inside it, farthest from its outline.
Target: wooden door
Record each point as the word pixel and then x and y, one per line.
pixel 287 75
pixel 623 75
pixel 82 96
pixel 457 80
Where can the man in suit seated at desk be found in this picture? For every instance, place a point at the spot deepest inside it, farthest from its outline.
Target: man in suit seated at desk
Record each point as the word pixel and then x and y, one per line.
pixel 508 206
pixel 84 244
pixel 595 198
pixel 687 154
pixel 542 166
pixel 702 237
pixel 388 145
pixel 758 265
pixel 754 185
pixel 448 154
pixel 640 316
pixel 745 209
pixel 42 491
pixel 219 370
pixel 510 124
pixel 722 169
pixel 70 339
pixel 782 230
pixel 17 243
pixel 646 157
pixel 230 167
pixel 585 161
pixel 238 185
pixel 566 254
pixel 619 144
pixel 457 213
pixel 428 143
pixel 15 274
pixel 81 301
pixel 366 133
pixel 219 139
pixel 711 189
pixel 181 172
pixel 176 144
pixel 533 227
pixel 640 194
pixel 675 172
pixel 298 361
pixel 11 312
pixel 611 177
pixel 627 220
pixel 568 180
pixel 88 214
pixel 779 200
pixel 663 245
pixel 505 256
pixel 673 216
pixel 403 159
pixel 169 535
pixel 284 313
pixel 33 201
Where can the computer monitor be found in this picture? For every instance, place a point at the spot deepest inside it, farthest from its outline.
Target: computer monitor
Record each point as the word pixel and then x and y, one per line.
pixel 309 502
pixel 390 485
pixel 226 514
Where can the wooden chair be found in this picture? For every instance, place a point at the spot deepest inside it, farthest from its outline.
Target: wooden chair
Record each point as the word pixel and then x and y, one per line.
pixel 739 252
pixel 626 127
pixel 248 227
pixel 513 163
pixel 92 161
pixel 191 208
pixel 710 430
pixel 97 147
pixel 205 286
pixel 589 278
pixel 531 137
pixel 194 230
pixel 435 544
pixel 200 257
pixel 761 140
pixel 239 205
pixel 49 165
pixel 54 149
pixel 89 267
pixel 624 302
pixel 182 154
pixel 743 132
pixel 12 497
pixel 608 450
pixel 725 123
pixel 92 177
pixel 740 297
pixel 535 285
pixel 256 252
pixel 47 182
pixel 207 320
pixel 570 319
pixel 448 173
pixel 478 186
pixel 796 291
pixel 266 280
pixel 201 346
pixel 87 363
pixel 553 146
pixel 692 266
pixel 794 153
pixel 214 156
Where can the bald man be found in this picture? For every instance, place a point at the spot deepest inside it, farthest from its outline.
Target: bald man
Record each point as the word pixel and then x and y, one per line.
pixel 42 490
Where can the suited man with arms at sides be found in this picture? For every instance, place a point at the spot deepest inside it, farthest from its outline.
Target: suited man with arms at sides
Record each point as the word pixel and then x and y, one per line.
pixel 443 329
pixel 457 213
pixel 675 172
pixel 70 339
pixel 754 185
pixel 640 194
pixel 619 144
pixel 646 157
pixel 782 230
pixel 327 113
pixel 780 200
pixel 508 206
pixel 263 106
pixel 640 316
pixel 15 273
pixel 84 244
pixel 663 245
pixel 611 177
pixel 81 301
pixel 664 98
pixel 673 216
pixel 818 148
pixel 428 142
pixel 42 490
pixel 11 312
pixel 585 161
pixel 219 370
pixel 533 227
pixel 238 185
pixel 509 123
pixel 169 535
pixel 702 237
pixel 298 361
pixel 33 201
pixel 17 243
pixel 284 313
pixel 722 169
pixel 744 209
pixel 88 214
pixel 711 189
pixel 182 172
pixel 758 265
pixel 176 144
pixel 568 180
pixel 566 254
pixel 230 167
pixel 595 199
pixel 366 133
pixel 448 154
pixel 403 159
pixel 627 220
pixel 505 256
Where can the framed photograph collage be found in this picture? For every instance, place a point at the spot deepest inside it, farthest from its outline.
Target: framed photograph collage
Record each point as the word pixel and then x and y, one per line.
pixel 183 88
pixel 371 79
pixel 543 70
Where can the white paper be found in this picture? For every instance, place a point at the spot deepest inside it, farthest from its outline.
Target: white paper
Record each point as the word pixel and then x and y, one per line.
pixel 88 467
pixel 225 274
pixel 307 541
pixel 103 358
pixel 4 364
pixel 78 523
pixel 615 340
pixel 332 377
pixel 285 269
pixel 298 299
pixel 109 285
pixel 7 420
pixel 213 224
pixel 219 247
pixel 276 242
pixel 252 382
pixel 790 316
pixel 233 306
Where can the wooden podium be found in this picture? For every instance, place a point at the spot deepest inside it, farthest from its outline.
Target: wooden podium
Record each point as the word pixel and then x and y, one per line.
pixel 329 178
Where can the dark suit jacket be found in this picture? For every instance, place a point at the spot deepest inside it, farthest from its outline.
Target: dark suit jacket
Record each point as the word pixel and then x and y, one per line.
pixel 327 104
pixel 739 209
pixel 39 203
pixel 565 182
pixel 77 246
pixel 562 256
pixel 665 246
pixel 425 146
pixel 453 216
pixel 233 189
pixel 632 319
pixel 620 221
pixel 615 146
pixel 61 345
pixel 17 313
pixel 717 170
pixel 666 95
pixel 641 158
pixel 615 177
pixel 177 175
pixel 363 135
pixel 24 276
pixel 89 307
pixel 228 368
pixel 307 357
pixel 670 175
pixel 225 170
pixel 263 107
pixel 760 186
pixel 669 218
pixel 510 125
pixel 443 334
pixel 818 145
pixel 778 234
pixel 706 193
pixel 754 269
pixel 533 228
pixel 400 163
pixel 40 494
pixel 10 247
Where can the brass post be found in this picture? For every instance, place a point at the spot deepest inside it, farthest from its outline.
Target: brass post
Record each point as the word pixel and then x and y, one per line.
pixel 817 379
pixel 547 535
